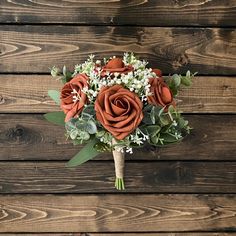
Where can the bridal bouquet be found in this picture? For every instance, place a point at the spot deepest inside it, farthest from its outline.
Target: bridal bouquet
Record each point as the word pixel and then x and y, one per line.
pixel 117 105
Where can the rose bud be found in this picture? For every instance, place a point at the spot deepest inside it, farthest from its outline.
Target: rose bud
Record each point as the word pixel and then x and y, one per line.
pixel 158 72
pixel 117 65
pixel 161 93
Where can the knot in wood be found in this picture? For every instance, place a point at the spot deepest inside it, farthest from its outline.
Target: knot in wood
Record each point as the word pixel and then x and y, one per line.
pixel 19 131
pixel 2 100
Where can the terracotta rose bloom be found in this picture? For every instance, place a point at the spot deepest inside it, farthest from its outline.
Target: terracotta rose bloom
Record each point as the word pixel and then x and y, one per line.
pixel 158 72
pixel 72 98
pixel 161 93
pixel 118 110
pixel 117 65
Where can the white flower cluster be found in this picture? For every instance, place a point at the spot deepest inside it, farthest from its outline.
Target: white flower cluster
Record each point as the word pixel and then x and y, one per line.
pixel 136 81
pixel 76 96
pixel 138 137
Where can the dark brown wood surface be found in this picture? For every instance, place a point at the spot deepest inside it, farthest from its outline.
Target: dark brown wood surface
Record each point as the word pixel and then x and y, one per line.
pixel 94 177
pixel 117 213
pixel 35 48
pixel 31 137
pixel 166 187
pixel 152 12
pixel 28 94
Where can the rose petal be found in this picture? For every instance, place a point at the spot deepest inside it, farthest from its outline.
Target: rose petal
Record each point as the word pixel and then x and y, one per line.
pixel 118 110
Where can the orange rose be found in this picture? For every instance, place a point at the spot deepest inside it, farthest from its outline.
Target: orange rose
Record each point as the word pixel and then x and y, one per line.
pixel 161 93
pixel 117 65
pixel 72 97
pixel 118 110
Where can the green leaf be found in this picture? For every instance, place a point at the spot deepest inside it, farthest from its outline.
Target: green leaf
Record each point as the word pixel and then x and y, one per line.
pixel 91 127
pixel 84 135
pixel 153 130
pixel 55 71
pixel 147 119
pixel 66 74
pixel 87 153
pixel 153 115
pixel 57 118
pixel 168 138
pixel 64 70
pixel 55 96
pixel 176 80
pixel 89 109
pixel 164 120
pixel 186 81
pixel 73 134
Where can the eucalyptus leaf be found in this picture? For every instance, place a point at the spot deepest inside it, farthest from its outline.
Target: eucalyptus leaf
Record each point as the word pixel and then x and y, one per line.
pixel 147 119
pixel 91 127
pixel 159 110
pixel 182 123
pixel 89 109
pixel 168 138
pixel 67 75
pixel 55 71
pixel 87 153
pixel 84 135
pixel 70 125
pixel 188 74
pixel 153 115
pixel 73 134
pixel 176 80
pixel 154 140
pixel 64 70
pixel 55 96
pixel 56 117
pixel 171 109
pixel 100 134
pixel 186 81
pixel 153 130
pixel 164 120
pixel 148 108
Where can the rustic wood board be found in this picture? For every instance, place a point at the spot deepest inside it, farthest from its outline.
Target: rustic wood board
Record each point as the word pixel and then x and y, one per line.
pixel 126 234
pixel 27 48
pixel 213 13
pixel 117 213
pixel 30 137
pixel 98 177
pixel 28 94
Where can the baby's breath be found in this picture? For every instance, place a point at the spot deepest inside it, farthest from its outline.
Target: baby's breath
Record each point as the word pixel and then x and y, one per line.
pixel 136 81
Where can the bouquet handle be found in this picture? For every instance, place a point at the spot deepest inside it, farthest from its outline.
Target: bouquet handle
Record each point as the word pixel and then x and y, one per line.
pixel 119 161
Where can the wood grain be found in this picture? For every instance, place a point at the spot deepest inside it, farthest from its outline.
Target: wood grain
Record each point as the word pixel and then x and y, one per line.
pixel 28 48
pixel 117 213
pixel 98 177
pixel 126 234
pixel 30 137
pixel 135 12
pixel 28 94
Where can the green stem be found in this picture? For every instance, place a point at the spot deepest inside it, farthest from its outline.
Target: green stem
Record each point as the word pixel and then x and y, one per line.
pixel 119 184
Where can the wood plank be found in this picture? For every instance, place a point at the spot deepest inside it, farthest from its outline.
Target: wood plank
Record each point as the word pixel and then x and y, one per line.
pixel 28 94
pixel 98 177
pixel 30 137
pixel 126 234
pixel 28 48
pixel 214 13
pixel 117 213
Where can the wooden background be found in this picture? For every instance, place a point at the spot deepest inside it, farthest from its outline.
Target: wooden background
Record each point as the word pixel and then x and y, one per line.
pixel 185 189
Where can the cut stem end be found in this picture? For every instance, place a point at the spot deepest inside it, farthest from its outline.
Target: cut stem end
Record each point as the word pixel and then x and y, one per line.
pixel 119 184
